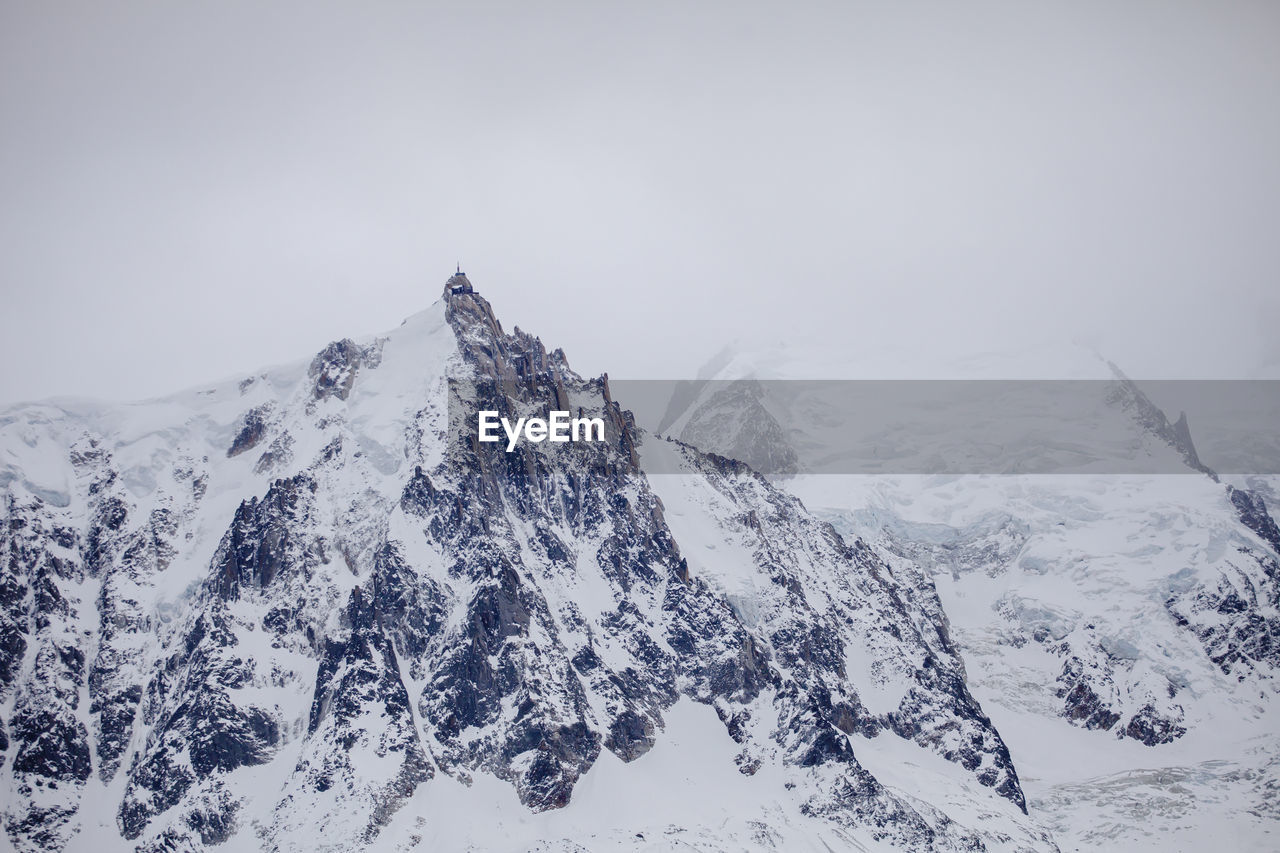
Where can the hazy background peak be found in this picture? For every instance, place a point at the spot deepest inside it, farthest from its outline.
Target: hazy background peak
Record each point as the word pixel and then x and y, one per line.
pixel 191 191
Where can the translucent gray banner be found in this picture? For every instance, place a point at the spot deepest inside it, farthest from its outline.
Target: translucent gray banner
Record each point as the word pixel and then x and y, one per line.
pixel 787 427
pixel 1119 426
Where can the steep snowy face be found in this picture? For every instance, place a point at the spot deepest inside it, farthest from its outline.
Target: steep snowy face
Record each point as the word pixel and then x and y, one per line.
pixel 161 573
pixel 302 610
pixel 1119 628
pixel 1147 603
pixel 1134 585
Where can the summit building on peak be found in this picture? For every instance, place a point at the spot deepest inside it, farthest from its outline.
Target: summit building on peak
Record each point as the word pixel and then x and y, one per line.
pixel 458 283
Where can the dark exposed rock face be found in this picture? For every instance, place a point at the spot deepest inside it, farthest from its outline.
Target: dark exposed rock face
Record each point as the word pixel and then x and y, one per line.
pixel 334 369
pixel 1238 617
pixel 519 650
pixel 199 732
pixel 1093 693
pixel 723 661
pixel 1252 510
pixel 262 542
pixel 1151 728
pixel 1080 703
pixel 358 673
pixel 42 667
pixel 252 430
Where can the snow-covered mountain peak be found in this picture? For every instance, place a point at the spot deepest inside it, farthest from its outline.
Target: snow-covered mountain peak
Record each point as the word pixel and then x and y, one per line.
pixel 304 605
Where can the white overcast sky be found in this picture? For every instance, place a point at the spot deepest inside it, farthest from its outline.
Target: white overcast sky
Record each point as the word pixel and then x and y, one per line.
pixel 189 191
